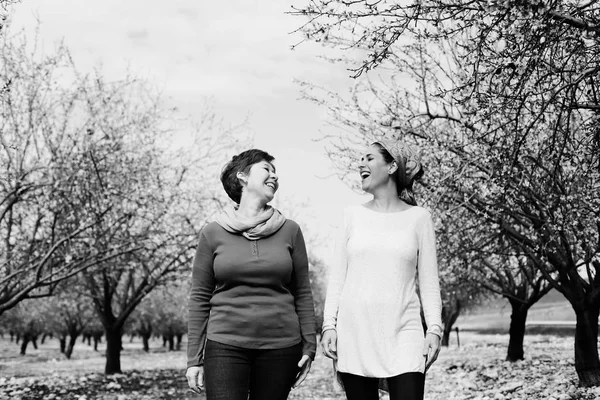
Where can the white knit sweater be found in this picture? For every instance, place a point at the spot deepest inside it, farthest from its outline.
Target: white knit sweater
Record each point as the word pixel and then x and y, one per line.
pixel 372 300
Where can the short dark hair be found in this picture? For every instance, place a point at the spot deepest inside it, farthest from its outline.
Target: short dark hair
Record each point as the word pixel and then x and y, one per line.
pixel 404 187
pixel 241 163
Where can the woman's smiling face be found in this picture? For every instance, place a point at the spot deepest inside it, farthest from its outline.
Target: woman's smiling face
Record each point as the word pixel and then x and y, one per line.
pixel 262 181
pixel 373 169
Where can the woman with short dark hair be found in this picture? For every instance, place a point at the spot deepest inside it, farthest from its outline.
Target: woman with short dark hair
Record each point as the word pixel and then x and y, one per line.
pixel 251 327
pixel 372 322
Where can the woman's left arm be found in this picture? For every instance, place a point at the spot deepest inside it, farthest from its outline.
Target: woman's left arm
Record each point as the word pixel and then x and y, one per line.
pixel 303 296
pixel 304 306
pixel 429 288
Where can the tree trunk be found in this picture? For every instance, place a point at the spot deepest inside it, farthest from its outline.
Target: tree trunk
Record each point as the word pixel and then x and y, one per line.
pixel 587 363
pixel 114 343
pixel 96 341
pixel 518 318
pixel 63 343
pixel 24 343
pixel 449 317
pixel 178 343
pixel 72 340
pixel 146 342
pixel 446 337
pixel 34 341
pixel 43 338
pixel 171 341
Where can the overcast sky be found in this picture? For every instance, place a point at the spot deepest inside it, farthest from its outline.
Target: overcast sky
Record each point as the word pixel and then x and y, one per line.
pixel 236 52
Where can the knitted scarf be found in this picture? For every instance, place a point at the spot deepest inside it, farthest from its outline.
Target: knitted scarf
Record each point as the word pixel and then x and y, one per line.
pixel 264 224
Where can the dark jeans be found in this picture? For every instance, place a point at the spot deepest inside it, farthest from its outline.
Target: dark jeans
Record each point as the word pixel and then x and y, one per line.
pixel 409 386
pixel 233 373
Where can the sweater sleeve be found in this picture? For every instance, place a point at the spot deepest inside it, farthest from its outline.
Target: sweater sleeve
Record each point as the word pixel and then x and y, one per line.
pixel 429 285
pixel 337 276
pixel 203 284
pixel 303 296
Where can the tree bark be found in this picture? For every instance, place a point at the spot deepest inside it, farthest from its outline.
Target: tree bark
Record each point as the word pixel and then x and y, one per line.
pixel 63 343
pixel 446 333
pixel 24 343
pixel 449 317
pixel 179 338
pixel 446 337
pixel 114 336
pixel 171 341
pixel 146 342
pixel 518 318
pixel 72 340
pixel 145 332
pixel 587 363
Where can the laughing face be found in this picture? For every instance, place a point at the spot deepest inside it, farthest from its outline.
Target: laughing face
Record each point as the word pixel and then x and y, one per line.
pixel 373 169
pixel 262 181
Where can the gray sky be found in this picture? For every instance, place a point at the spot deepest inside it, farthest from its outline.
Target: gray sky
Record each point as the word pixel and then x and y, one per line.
pixel 236 52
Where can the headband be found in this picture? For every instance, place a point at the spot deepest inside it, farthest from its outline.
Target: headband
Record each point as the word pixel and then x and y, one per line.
pixel 404 154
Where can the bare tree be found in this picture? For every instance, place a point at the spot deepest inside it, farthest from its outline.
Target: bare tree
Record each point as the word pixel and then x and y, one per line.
pixel 160 190
pixel 487 262
pixel 460 291
pixel 101 176
pixel 27 322
pixel 4 4
pixel 44 233
pixel 70 313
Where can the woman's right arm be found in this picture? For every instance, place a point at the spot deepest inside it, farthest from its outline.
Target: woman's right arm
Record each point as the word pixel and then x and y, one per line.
pixel 337 277
pixel 203 285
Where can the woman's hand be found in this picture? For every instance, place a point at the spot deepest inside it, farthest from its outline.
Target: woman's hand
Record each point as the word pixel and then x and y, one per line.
pixel 431 349
pixel 304 365
pixel 195 378
pixel 329 343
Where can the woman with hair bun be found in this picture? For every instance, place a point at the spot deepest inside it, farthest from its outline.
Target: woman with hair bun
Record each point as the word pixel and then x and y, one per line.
pixel 251 326
pixel 372 326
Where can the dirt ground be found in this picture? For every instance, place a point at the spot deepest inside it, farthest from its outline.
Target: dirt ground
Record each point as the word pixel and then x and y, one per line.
pixel 475 370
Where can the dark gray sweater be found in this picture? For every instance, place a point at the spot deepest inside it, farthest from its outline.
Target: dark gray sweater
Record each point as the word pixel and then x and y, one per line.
pixel 250 294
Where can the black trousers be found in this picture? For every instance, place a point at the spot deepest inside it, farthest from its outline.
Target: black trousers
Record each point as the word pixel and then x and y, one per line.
pixel 234 373
pixel 409 386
